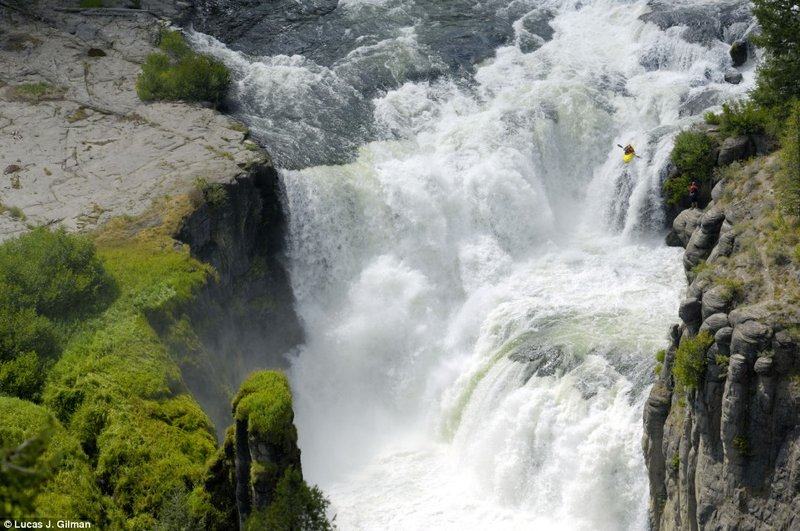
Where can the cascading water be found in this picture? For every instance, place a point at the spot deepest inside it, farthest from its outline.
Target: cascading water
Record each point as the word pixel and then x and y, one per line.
pixel 481 282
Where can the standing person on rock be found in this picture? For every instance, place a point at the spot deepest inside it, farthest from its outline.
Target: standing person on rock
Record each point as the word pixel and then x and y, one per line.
pixel 694 189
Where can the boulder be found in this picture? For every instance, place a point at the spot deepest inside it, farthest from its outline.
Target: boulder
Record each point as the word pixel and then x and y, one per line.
pixel 723 340
pixel 745 313
pixel 735 148
pixel 685 223
pixel 715 300
pixel 734 77
pixel 712 220
pixel 763 365
pixel 724 246
pixel 750 337
pixel 738 52
pixel 690 312
pixel 716 192
pixel 715 322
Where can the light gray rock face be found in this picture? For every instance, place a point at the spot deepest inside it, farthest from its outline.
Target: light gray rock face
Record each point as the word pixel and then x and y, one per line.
pixel 684 224
pixel 704 237
pixel 720 456
pixel 88 149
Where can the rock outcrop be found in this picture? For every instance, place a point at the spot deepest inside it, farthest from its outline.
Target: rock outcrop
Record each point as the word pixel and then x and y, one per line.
pixel 259 449
pixel 724 452
pixel 77 145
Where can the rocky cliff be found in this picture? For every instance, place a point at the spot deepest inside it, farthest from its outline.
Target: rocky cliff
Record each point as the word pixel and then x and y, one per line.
pixel 722 423
pixel 184 212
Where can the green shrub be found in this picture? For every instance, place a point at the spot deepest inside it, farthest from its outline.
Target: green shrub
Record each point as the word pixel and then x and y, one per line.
pixel 46 278
pixel 789 175
pixel 675 462
pixel 711 118
pixel 690 359
pixel 55 273
pixel 181 74
pixel 173 43
pixel 22 376
pixel 661 355
pixel 297 507
pixel 91 3
pixel 746 118
pixel 779 71
pixel 693 156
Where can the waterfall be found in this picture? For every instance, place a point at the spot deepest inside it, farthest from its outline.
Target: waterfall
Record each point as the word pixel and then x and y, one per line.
pixel 481 279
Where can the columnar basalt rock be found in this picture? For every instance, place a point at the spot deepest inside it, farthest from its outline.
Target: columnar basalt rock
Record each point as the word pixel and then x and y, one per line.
pixel 719 455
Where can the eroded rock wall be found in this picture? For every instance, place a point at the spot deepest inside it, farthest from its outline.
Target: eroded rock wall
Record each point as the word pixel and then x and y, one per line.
pixel 726 453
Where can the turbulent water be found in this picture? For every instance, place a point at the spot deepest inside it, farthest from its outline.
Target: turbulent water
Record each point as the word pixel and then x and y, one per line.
pixel 480 278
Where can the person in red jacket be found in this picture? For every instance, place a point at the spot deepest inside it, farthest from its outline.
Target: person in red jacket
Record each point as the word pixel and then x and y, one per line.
pixel 693 191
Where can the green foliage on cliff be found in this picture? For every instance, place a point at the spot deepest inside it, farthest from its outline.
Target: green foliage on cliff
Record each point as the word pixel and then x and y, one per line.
pixel 117 440
pixel 42 468
pixel 265 402
pixel 690 360
pixel 47 279
pixel 178 73
pixel 779 72
pixel 742 118
pixel 789 176
pixel 296 507
pixel 693 156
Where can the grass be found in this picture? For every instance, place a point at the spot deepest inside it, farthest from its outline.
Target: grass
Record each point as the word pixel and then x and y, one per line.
pixel 36 92
pixel 79 114
pixel 52 475
pixel 13 211
pixel 733 288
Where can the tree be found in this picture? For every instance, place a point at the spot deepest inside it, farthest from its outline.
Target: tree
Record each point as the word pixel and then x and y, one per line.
pixel 779 74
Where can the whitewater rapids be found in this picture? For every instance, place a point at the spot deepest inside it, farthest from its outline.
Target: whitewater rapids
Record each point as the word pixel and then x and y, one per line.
pixel 483 284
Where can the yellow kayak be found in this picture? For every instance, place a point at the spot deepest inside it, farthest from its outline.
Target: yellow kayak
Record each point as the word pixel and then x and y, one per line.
pixel 627 157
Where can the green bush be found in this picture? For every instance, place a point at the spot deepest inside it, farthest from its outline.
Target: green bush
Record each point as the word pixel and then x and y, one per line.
pixel 746 118
pixel 711 118
pixel 178 73
pixel 789 175
pixel 46 278
pixel 779 72
pixel 690 360
pixel 91 3
pixel 296 507
pixel 693 156
pixel 55 273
